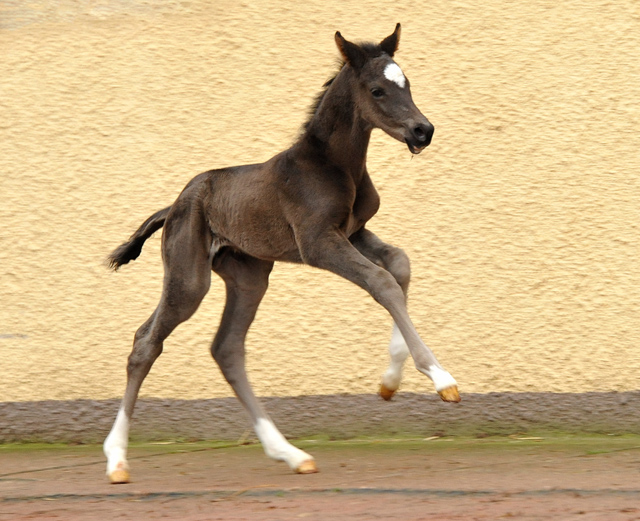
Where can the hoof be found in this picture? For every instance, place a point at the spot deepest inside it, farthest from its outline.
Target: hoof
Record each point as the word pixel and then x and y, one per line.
pixel 119 476
pixel 307 467
pixel 450 394
pixel 386 393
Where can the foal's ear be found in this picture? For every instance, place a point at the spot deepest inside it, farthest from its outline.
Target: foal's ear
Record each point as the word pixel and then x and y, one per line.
pixel 390 43
pixel 351 52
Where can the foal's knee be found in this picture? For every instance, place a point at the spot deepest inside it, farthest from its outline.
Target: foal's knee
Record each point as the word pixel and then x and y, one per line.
pixel 384 288
pixel 398 264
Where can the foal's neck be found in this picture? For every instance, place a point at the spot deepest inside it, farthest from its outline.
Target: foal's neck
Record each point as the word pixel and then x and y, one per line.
pixel 336 130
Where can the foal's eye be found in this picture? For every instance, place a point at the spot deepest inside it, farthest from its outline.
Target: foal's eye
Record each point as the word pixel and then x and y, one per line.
pixel 377 93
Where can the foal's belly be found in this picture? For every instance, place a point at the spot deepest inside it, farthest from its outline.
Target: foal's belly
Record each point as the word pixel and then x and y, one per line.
pixel 243 212
pixel 258 234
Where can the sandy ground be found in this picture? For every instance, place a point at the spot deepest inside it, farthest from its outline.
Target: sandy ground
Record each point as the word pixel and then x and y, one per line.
pixel 528 478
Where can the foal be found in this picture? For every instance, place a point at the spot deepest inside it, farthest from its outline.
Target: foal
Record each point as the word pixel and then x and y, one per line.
pixel 308 204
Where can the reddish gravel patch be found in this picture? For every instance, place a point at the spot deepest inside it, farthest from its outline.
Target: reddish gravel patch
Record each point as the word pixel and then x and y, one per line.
pixel 581 478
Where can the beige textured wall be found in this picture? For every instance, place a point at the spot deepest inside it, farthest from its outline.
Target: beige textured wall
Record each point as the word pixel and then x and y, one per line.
pixel 521 219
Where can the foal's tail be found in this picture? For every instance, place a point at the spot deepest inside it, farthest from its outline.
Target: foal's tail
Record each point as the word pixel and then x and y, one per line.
pixel 131 249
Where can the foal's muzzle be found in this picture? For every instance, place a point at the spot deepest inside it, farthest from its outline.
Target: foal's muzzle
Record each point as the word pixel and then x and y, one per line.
pixel 420 137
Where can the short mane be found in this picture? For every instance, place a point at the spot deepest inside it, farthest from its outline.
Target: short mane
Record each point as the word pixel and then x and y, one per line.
pixel 320 96
pixel 373 50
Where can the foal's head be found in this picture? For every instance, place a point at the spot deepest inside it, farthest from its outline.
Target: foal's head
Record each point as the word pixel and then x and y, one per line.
pixel 382 93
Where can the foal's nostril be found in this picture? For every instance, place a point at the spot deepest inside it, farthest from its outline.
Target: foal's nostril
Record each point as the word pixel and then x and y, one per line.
pixel 419 133
pixel 423 133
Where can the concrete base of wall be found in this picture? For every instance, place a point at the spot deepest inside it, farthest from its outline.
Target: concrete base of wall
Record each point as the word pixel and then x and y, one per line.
pixel 338 416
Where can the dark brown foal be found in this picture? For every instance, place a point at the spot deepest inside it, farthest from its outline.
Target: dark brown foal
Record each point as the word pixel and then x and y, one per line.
pixel 308 204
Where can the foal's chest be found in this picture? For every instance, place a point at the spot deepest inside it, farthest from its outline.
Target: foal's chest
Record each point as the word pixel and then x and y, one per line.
pixel 365 206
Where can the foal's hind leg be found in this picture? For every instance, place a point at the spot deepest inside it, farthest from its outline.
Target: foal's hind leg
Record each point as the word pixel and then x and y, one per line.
pixel 396 262
pixel 246 279
pixel 186 282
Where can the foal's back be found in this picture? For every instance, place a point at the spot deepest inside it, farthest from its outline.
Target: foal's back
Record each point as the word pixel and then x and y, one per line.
pixel 260 208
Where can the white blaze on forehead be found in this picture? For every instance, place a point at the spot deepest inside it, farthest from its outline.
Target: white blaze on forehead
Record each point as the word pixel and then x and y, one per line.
pixel 394 73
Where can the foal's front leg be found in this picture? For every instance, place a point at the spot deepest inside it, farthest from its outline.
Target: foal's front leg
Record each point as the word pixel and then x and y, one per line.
pixel 335 253
pixel 396 262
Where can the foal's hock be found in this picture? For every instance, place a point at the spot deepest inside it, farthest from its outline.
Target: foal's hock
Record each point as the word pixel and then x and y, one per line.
pixel 308 204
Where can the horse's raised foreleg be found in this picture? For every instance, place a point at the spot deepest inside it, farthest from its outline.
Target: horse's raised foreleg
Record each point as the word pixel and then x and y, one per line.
pixel 186 282
pixel 335 253
pixel 396 262
pixel 246 280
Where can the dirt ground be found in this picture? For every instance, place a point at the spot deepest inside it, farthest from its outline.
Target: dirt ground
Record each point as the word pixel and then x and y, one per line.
pixel 521 477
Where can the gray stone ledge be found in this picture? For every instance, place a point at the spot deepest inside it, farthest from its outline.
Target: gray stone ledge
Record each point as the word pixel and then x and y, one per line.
pixel 337 416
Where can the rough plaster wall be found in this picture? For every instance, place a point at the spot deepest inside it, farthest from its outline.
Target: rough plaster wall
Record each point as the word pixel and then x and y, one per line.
pixel 520 219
